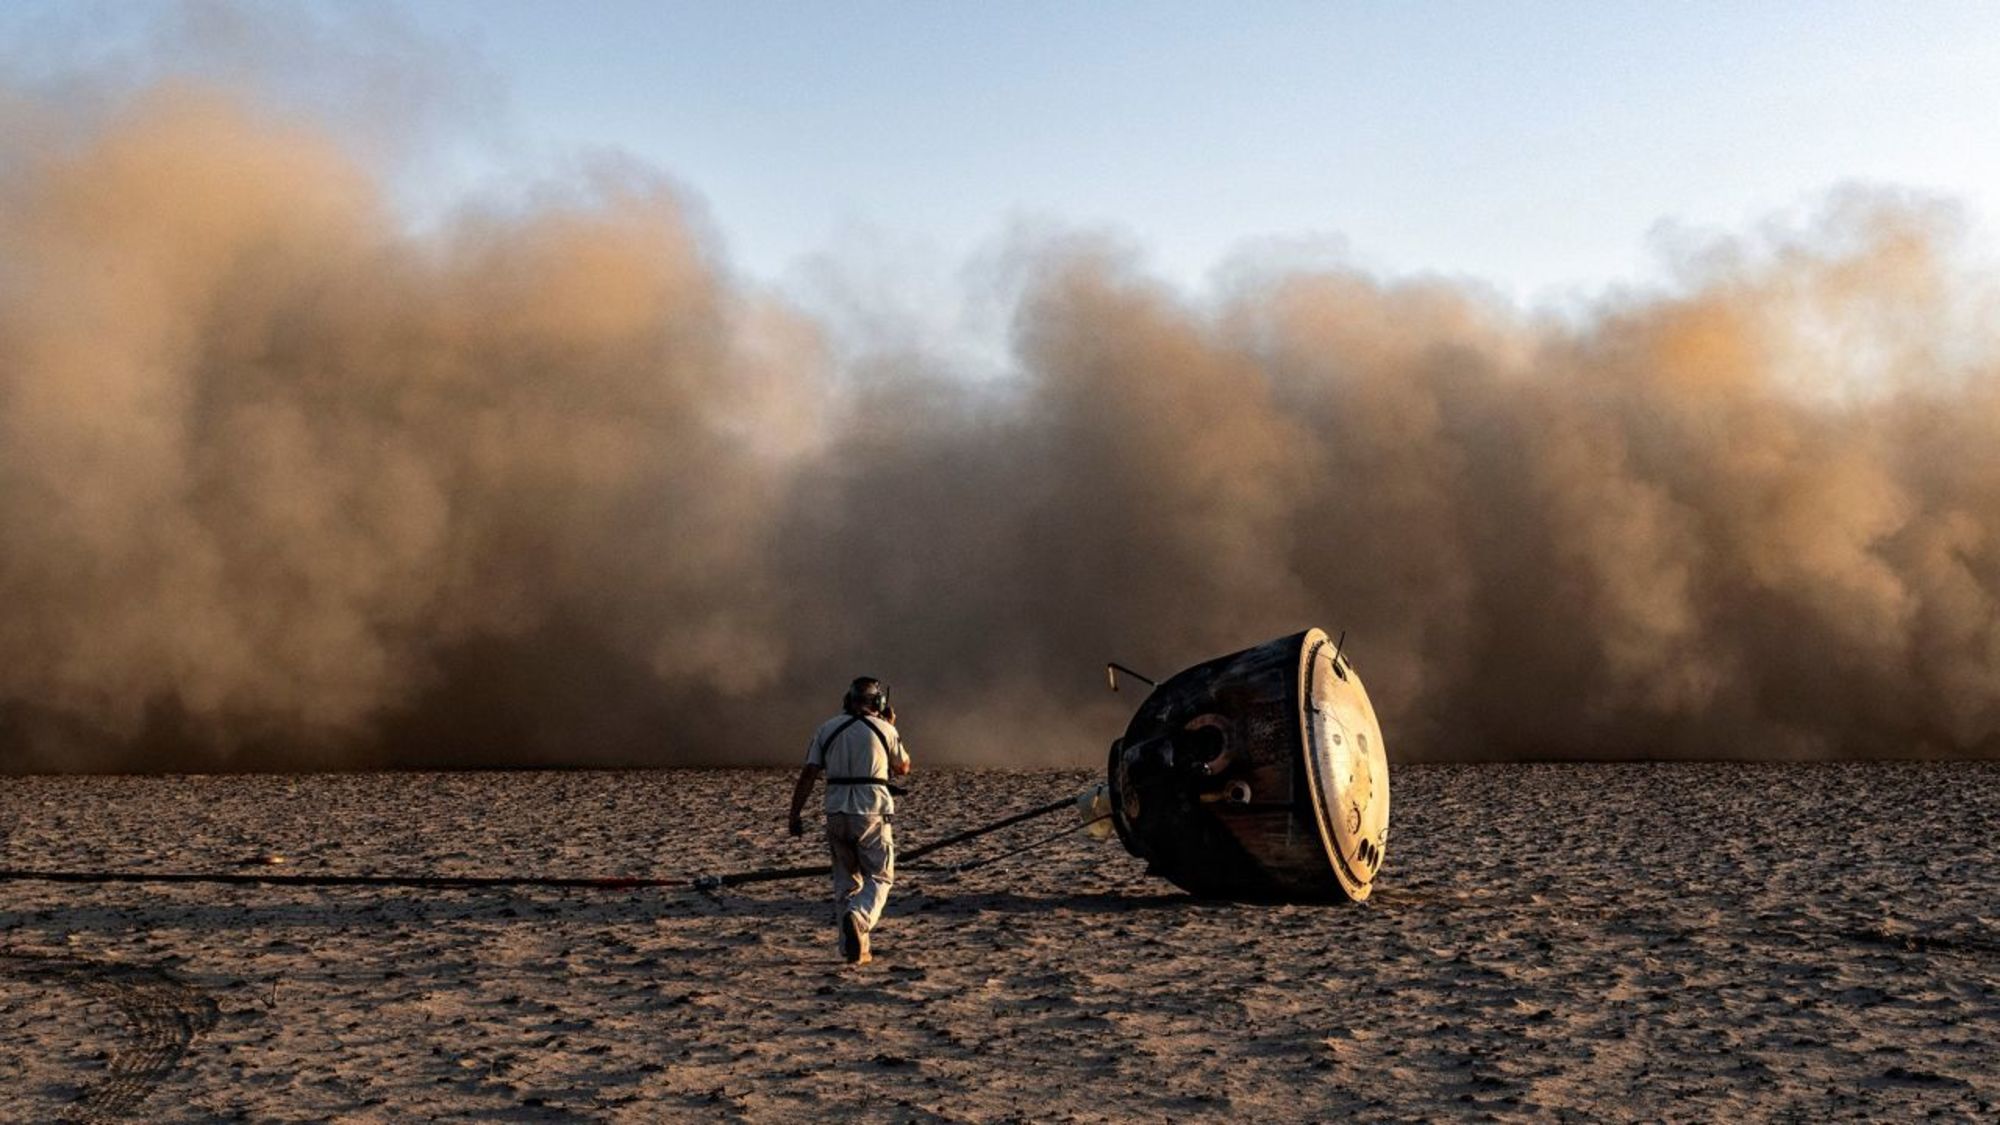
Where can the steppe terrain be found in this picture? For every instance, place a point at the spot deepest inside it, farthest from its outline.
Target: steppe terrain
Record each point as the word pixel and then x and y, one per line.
pixel 1586 942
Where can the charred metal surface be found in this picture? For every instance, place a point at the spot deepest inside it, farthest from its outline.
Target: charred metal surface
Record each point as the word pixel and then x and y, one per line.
pixel 1257 775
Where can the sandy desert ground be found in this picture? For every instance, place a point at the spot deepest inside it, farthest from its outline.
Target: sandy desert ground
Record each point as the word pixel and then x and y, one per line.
pixel 1591 942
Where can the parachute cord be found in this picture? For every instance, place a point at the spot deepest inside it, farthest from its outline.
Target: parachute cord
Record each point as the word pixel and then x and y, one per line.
pixel 953 871
pixel 705 883
pixel 708 883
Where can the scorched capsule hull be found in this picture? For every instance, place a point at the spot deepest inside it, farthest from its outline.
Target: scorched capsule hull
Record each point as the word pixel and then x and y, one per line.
pixel 1258 775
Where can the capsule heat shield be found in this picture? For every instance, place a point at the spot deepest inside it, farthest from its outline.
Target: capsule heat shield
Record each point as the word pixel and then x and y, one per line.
pixel 1257 775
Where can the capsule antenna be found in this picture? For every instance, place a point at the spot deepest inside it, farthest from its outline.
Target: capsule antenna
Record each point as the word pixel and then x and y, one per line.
pixel 1112 669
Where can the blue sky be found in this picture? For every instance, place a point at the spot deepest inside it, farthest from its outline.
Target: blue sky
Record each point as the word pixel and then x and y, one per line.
pixel 1535 146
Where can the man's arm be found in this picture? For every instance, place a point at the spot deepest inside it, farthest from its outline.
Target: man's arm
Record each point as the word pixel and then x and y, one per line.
pixel 808 774
pixel 899 757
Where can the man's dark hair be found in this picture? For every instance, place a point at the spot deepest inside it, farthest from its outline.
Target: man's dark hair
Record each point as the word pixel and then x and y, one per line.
pixel 866 695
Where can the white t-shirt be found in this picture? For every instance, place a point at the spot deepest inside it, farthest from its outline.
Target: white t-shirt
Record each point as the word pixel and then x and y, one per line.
pixel 857 753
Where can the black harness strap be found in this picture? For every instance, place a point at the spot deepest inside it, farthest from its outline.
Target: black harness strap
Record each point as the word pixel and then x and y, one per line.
pixel 827 746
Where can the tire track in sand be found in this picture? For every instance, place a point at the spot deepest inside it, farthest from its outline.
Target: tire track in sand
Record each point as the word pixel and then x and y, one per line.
pixel 163 1015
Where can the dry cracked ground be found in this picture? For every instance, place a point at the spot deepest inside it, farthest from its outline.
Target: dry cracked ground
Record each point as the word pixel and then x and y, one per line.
pixel 1588 942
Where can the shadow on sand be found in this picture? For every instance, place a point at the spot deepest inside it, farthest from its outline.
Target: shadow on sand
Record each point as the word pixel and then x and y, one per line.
pixel 347 909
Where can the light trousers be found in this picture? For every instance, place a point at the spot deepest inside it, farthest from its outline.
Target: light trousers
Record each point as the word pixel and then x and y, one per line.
pixel 864 865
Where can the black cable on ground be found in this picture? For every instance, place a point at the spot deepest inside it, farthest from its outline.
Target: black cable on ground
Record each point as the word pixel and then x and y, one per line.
pixel 432 882
pixel 957 869
pixel 481 882
pixel 1009 822
pixel 773 875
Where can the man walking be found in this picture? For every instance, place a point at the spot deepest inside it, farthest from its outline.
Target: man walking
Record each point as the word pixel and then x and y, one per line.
pixel 859 751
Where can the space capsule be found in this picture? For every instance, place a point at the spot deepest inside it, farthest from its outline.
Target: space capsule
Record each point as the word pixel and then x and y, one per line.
pixel 1258 775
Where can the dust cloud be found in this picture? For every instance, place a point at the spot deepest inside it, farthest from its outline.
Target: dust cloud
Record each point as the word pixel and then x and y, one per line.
pixel 290 482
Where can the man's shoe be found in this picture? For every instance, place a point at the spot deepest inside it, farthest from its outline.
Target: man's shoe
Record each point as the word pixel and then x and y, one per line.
pixel 853 943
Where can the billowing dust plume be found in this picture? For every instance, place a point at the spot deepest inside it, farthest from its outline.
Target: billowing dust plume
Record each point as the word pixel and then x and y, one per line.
pixel 285 483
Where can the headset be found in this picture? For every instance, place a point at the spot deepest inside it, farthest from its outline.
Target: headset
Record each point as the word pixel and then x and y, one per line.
pixel 866 693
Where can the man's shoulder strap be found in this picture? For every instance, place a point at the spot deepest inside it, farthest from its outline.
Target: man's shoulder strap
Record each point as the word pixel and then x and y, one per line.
pixel 877 732
pixel 827 742
pixel 827 746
